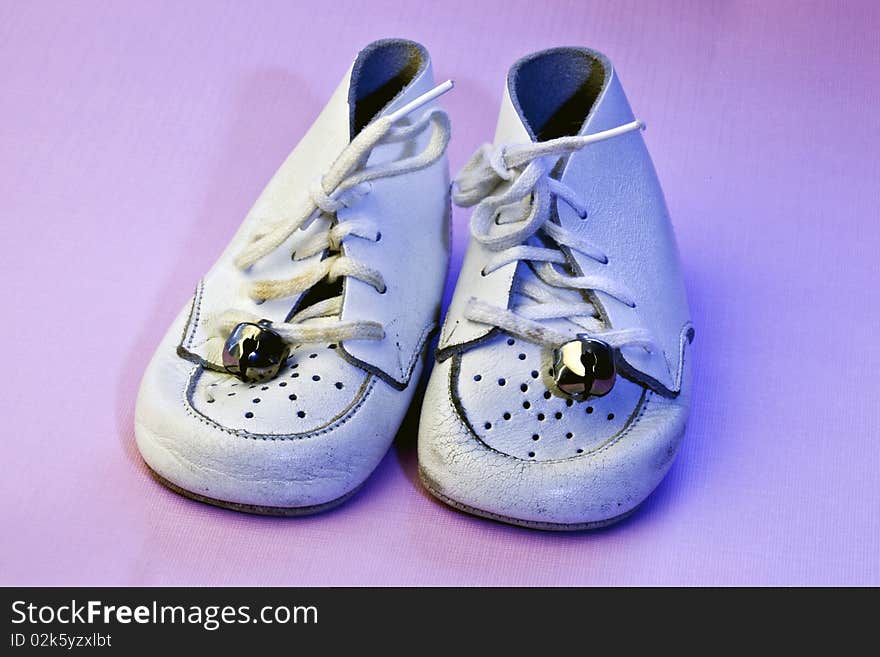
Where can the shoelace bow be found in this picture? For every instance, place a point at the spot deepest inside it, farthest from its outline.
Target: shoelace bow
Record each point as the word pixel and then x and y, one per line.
pixel 516 224
pixel 347 180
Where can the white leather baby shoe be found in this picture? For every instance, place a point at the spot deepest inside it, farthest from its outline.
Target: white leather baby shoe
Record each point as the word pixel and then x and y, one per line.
pixel 561 389
pixel 279 388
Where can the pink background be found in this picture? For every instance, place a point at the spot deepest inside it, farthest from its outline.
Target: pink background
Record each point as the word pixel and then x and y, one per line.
pixel 134 136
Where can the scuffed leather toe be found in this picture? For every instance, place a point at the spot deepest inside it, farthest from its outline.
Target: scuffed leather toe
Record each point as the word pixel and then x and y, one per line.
pixel 313 464
pixel 589 489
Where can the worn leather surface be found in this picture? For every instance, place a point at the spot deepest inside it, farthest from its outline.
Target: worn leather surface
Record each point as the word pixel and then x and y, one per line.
pixel 413 213
pixel 494 436
pixel 297 464
pixel 316 431
pixel 603 482
pixel 493 287
pixel 224 285
pixel 628 221
pixel 137 134
pixel 506 399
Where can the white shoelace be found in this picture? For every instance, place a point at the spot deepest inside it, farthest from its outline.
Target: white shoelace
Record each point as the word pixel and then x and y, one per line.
pixel 347 180
pixel 516 224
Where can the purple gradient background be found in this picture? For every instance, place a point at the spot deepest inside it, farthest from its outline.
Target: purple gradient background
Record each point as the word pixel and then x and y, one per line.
pixel 134 136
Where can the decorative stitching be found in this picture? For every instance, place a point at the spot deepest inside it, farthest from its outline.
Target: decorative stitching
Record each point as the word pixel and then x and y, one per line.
pixel 685 337
pixel 399 384
pixel 181 346
pixel 633 420
pixel 343 417
pixel 195 315
pixel 427 331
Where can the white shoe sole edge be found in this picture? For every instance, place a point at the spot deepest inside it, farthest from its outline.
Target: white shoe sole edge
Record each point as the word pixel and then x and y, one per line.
pixel 255 509
pixel 530 524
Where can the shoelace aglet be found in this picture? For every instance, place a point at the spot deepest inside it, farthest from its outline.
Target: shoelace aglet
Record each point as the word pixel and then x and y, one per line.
pixel 422 100
pixel 638 124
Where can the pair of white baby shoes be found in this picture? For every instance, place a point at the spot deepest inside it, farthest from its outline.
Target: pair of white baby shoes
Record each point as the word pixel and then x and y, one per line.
pixel 561 384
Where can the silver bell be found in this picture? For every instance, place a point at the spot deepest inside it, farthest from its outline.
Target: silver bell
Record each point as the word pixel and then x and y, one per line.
pixel 584 368
pixel 254 352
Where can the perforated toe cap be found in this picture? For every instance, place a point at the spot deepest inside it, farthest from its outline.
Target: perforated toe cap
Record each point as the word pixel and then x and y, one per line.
pixel 502 390
pixel 615 472
pixel 275 457
pixel 315 387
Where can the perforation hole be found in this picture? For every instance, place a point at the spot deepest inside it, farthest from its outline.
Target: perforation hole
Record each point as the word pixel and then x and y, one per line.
pixel 522 356
pixel 524 406
pixel 610 416
pixel 289 398
pixel 248 415
pixel 589 409
pixel 531 455
pixel 536 437
pixel 511 341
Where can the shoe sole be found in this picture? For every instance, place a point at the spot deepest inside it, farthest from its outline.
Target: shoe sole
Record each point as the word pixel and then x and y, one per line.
pixel 254 509
pixel 530 524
